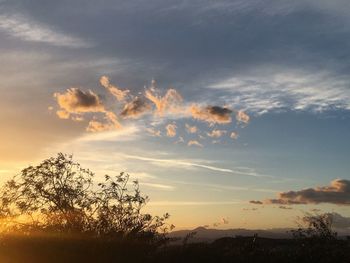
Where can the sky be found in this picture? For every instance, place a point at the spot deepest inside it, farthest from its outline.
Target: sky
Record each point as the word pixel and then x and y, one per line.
pixel 229 113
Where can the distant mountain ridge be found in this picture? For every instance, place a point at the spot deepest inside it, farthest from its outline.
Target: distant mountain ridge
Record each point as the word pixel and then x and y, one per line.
pixel 204 234
pixel 209 234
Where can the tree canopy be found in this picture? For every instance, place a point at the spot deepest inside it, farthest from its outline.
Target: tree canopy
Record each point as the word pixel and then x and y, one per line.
pixel 58 195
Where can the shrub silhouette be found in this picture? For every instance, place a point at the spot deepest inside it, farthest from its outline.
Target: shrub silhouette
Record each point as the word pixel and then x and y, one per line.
pixel 58 195
pixel 316 227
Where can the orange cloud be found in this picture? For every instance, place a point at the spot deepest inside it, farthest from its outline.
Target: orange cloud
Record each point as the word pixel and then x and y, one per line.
pixel 191 129
pixel 75 100
pixel 170 103
pixel 194 143
pixel 153 132
pixel 171 130
pixel 216 133
pixel 62 114
pixel 118 93
pixel 110 123
pixel 241 116
pixel 135 108
pixel 211 114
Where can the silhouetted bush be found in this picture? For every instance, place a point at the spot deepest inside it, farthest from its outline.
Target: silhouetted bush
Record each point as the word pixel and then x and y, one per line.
pixel 59 196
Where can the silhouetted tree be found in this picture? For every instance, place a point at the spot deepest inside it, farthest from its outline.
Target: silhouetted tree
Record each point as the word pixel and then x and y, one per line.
pixel 59 195
pixel 316 227
pixel 118 210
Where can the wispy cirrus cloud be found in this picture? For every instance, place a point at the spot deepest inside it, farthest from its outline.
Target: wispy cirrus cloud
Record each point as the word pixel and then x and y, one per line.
pixel 192 203
pixel 159 186
pixel 126 133
pixel 27 29
pixel 190 164
pixel 262 92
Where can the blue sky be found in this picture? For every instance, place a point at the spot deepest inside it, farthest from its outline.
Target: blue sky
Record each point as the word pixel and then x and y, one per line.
pixel 284 64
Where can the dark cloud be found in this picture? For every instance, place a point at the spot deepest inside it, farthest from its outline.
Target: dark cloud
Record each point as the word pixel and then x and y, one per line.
pixel 338 192
pixel 135 108
pixel 256 202
pixel 212 114
pixel 250 209
pixel 75 100
pixel 285 207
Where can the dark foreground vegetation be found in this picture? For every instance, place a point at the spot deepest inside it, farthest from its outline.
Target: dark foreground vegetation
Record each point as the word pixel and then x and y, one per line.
pixel 55 212
pixel 37 249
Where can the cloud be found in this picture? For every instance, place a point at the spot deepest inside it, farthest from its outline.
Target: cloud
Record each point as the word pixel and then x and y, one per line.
pixel 256 202
pixel 75 100
pixel 28 30
pixel 62 114
pixel 118 93
pixel 338 192
pixel 125 133
pixel 266 90
pixel 250 209
pixel 110 123
pixel 191 129
pixel 211 114
pixel 180 140
pixel 185 164
pixel 171 130
pixel 216 133
pixel 191 203
pixel 141 175
pixel 224 220
pixel 315 210
pixel 285 207
pixel 241 116
pixel 190 164
pixel 74 103
pixel 135 108
pixel 152 131
pixel 234 135
pixel 194 143
pixel 169 103
pixel 159 186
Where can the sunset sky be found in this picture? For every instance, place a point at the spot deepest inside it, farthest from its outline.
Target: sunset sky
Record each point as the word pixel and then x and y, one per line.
pixel 219 108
